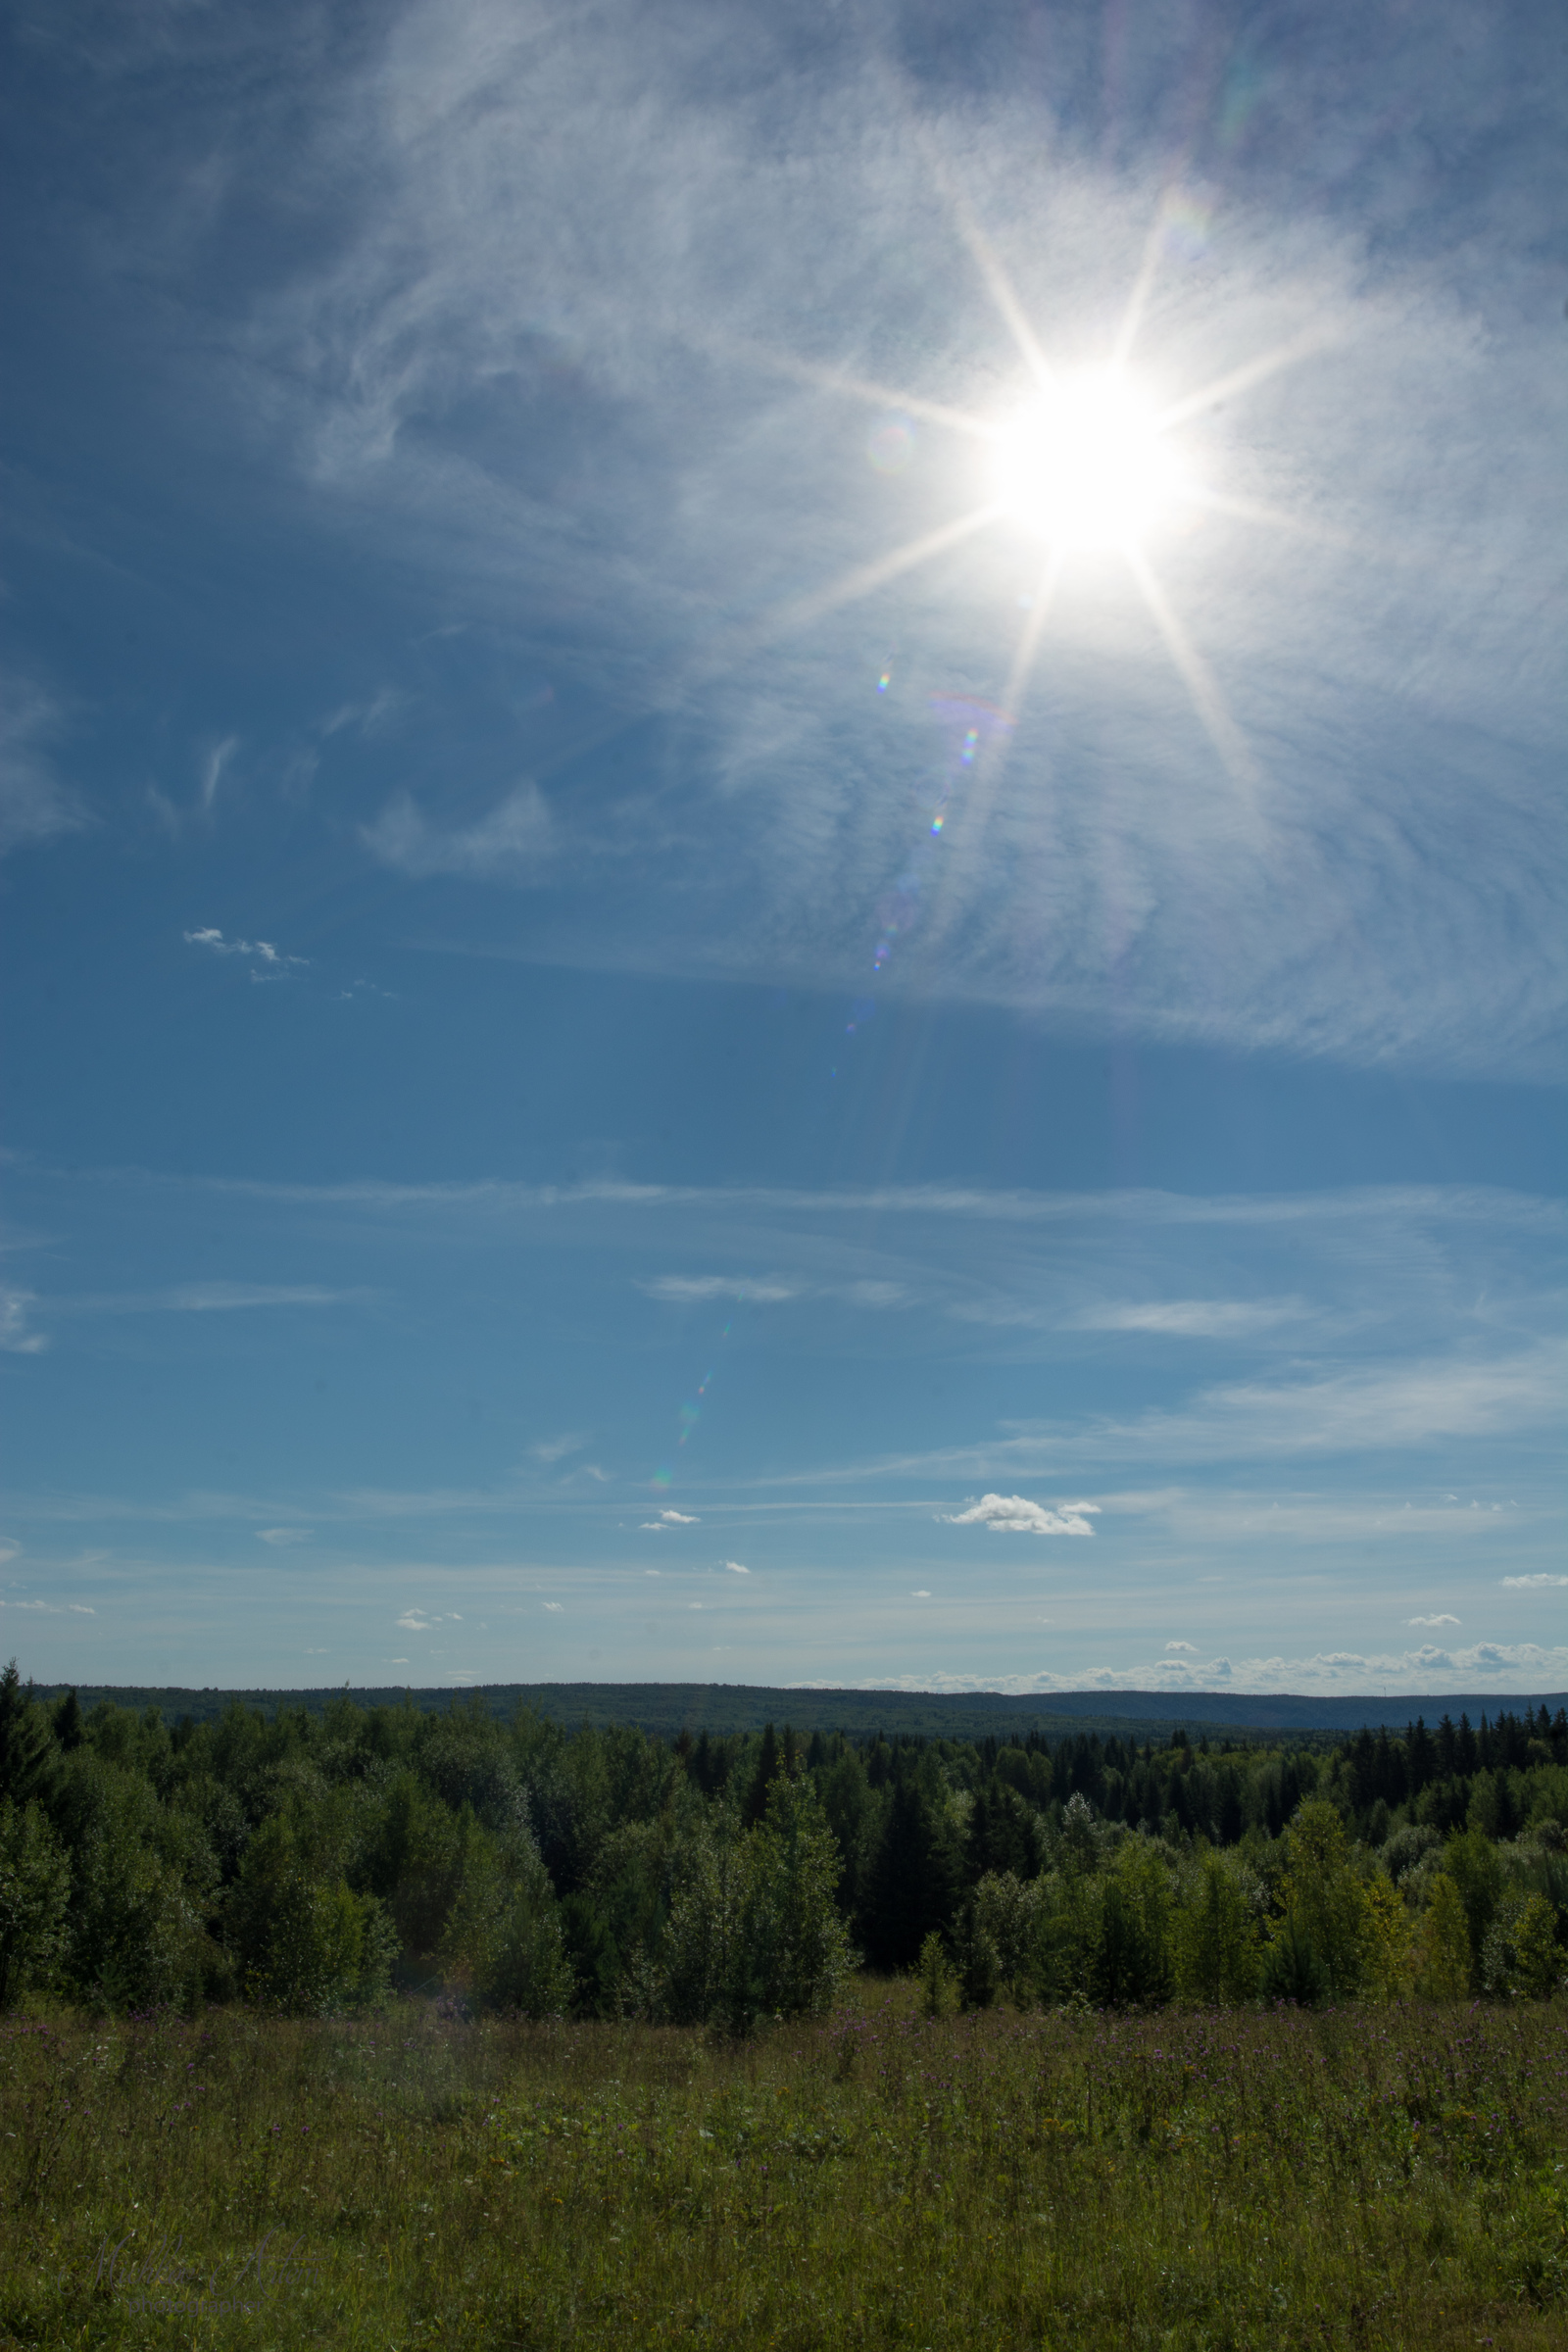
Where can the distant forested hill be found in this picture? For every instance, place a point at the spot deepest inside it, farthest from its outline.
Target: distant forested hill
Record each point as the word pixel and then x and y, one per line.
pixel 667 1708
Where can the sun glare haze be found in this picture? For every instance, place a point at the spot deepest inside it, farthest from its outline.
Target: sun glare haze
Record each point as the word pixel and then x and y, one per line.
pixel 1085 464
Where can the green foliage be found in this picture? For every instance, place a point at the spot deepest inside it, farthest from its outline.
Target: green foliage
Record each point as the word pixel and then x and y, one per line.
pixel 1442 1947
pixel 1521 1957
pixel 34 1889
pixel 1471 1861
pixel 796 1949
pixel 505 1943
pixel 938 1979
pixel 874 2182
pixel 1293 1969
pixel 1130 1967
pixel 1326 1908
pixel 26 1741
pixel 309 1858
pixel 1216 1952
pixel 306 1943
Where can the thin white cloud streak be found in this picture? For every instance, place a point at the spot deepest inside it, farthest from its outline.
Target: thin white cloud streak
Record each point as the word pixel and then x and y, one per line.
pixel 206 1298
pixel 1390 1206
pixel 1403 900
pixel 1377 1409
pixel 1532 1584
pixel 692 1290
pixel 1196 1319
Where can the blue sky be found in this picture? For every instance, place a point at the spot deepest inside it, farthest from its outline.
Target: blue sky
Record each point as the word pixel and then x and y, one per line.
pixel 676 1009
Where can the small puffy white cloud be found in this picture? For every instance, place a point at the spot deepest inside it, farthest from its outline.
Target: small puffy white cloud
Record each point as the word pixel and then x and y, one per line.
pixel 397 1661
pixel 416 1622
pixel 261 951
pixel 553 1606
pixel 1016 1515
pixel 1442 1620
pixel 1532 1584
pixel 919 1593
pixel 678 1518
pixel 283 1535
pixel 80 1609
pixel 736 1569
pixel 1190 1648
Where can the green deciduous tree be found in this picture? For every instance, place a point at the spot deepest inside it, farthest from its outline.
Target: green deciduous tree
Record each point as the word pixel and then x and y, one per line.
pixel 34 1889
pixel 306 1942
pixel 1215 1939
pixel 1325 1901
pixel 1521 1958
pixel 1442 1944
pixel 796 1947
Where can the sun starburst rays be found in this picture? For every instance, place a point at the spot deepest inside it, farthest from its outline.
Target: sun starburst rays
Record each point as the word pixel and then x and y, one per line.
pixel 1084 464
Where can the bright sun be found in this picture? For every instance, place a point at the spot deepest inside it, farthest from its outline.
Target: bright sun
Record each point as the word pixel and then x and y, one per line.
pixel 1086 464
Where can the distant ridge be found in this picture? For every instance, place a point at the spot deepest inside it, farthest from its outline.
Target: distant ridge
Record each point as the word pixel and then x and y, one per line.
pixel 670 1708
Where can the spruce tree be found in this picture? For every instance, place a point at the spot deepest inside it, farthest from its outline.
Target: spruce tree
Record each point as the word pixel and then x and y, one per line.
pixel 26 1746
pixel 766 1769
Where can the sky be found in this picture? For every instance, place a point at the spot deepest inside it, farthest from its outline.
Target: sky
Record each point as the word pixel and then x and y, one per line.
pixel 782 891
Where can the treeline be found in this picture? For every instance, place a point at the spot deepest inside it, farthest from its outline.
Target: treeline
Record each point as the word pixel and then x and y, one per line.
pixel 309 1862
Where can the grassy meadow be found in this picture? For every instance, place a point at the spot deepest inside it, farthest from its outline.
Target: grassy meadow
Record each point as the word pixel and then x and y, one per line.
pixel 1391 2175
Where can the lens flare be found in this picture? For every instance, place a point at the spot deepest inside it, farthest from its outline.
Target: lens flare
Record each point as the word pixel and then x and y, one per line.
pixel 1086 464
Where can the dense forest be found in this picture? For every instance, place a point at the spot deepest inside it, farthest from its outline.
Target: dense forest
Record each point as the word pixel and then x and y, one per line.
pixel 310 1862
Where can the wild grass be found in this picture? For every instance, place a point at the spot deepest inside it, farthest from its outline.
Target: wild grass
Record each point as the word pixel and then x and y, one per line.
pixel 1368 2176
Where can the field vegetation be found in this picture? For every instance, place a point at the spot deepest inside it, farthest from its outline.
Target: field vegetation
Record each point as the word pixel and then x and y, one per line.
pixel 395 2028
pixel 1387 2176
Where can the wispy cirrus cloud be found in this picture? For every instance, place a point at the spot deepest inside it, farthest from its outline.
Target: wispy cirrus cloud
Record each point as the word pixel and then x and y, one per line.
pixel 1195 1318
pixel 693 1290
pixel 1532 1584
pixel 35 803
pixel 17 1336
pixel 1395 890
pixel 512 843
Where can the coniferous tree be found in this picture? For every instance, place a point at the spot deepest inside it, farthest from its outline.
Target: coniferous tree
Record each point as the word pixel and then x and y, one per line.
pixel 914 1879
pixel 26 1746
pixel 768 1764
